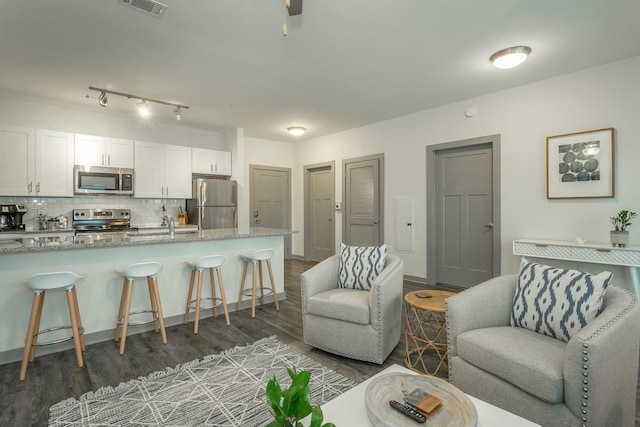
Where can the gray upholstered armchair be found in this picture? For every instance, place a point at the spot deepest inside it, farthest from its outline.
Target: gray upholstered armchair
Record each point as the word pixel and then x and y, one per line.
pixel 363 325
pixel 590 380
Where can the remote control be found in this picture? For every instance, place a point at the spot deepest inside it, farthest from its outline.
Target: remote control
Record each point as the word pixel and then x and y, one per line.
pixel 406 411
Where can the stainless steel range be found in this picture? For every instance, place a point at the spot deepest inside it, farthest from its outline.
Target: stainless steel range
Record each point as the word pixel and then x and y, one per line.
pixel 101 221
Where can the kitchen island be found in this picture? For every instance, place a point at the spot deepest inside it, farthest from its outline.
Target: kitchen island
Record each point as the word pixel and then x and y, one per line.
pixel 99 292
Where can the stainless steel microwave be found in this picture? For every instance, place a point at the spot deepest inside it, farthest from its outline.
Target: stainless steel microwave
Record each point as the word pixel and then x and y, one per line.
pixel 102 180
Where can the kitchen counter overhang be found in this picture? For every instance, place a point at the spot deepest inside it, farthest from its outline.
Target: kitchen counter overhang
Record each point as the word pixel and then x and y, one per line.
pixel 37 243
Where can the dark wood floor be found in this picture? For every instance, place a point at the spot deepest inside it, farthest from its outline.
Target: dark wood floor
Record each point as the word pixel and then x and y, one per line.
pixel 55 377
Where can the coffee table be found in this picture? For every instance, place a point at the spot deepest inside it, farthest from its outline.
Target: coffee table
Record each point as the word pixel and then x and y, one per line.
pixel 349 409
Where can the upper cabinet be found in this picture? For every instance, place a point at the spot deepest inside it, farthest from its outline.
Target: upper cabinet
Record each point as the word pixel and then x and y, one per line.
pixel 162 171
pixel 17 146
pixel 211 162
pixel 53 164
pixel 100 151
pixel 36 163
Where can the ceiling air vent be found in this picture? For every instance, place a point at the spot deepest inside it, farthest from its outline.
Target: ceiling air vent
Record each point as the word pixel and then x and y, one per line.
pixel 150 7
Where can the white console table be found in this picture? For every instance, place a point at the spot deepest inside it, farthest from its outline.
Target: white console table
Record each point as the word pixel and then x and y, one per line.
pixel 595 253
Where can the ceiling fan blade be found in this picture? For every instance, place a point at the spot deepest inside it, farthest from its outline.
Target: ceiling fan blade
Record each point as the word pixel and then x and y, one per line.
pixel 295 8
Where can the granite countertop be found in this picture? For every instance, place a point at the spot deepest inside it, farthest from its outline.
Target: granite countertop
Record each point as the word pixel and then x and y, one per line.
pixel 39 241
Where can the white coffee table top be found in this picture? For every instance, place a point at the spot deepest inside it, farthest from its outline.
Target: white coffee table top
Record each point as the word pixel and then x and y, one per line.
pixel 349 409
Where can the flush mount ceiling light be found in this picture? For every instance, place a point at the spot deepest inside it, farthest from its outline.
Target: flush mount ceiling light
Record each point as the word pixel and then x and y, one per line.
pixel 143 108
pixel 510 57
pixel 103 99
pixel 296 130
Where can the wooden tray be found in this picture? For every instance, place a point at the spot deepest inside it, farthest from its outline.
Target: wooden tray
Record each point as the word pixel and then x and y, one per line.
pixel 457 410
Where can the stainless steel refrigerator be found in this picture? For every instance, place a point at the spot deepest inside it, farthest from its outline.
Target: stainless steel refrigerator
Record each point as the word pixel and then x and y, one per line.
pixel 214 204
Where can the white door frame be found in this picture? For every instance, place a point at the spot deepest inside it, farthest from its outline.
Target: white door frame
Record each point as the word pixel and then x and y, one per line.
pixel 432 150
pixel 307 206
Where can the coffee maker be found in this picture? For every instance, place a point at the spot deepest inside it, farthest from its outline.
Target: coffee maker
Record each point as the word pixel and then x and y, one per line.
pixel 11 217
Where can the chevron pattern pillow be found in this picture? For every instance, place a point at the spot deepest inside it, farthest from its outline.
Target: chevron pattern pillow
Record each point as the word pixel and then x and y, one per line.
pixel 360 265
pixel 557 302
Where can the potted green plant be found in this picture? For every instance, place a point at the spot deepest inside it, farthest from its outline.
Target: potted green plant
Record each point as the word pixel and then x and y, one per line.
pixel 620 236
pixel 290 406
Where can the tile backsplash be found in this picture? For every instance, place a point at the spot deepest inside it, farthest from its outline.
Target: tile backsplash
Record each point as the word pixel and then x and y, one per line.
pixel 143 211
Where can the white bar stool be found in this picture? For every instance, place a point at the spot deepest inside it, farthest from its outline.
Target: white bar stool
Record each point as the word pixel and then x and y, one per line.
pixel 39 284
pixel 130 273
pixel 211 263
pixel 256 259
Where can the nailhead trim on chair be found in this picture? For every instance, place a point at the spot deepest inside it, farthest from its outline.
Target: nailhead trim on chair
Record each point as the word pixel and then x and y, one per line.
pixel 379 305
pixel 446 319
pixel 585 353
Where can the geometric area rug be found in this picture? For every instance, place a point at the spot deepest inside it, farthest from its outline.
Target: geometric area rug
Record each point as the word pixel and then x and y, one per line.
pixel 227 389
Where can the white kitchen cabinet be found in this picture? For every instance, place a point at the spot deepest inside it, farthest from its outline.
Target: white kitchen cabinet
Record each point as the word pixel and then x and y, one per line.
pixel 16 144
pixel 211 162
pixel 53 164
pixel 102 151
pixel 36 163
pixel 162 171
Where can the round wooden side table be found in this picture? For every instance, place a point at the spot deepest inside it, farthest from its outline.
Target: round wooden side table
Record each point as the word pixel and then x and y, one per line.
pixel 425 330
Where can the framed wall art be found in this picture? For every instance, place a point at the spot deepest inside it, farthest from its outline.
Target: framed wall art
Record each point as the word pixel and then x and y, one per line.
pixel 580 165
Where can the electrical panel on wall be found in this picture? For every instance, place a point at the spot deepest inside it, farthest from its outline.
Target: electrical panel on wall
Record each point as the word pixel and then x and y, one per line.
pixel 403 223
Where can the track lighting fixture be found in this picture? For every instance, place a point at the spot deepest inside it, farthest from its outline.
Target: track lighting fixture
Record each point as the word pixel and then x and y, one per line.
pixel 142 105
pixel 103 99
pixel 143 108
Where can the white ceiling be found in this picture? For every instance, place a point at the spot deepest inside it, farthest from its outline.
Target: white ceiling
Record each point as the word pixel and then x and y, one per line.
pixel 344 64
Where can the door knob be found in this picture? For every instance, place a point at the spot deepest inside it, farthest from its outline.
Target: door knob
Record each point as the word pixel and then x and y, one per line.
pixel 490 225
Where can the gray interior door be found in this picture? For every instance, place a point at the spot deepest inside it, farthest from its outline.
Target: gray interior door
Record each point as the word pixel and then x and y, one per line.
pixel 319 214
pixel 270 196
pixel 464 216
pixel 363 198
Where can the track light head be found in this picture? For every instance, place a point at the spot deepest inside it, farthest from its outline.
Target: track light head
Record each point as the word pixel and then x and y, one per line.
pixel 143 108
pixel 102 100
pixel 178 113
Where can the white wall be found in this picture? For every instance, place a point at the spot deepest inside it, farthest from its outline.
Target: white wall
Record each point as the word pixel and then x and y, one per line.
pixel 601 97
pixel 28 113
